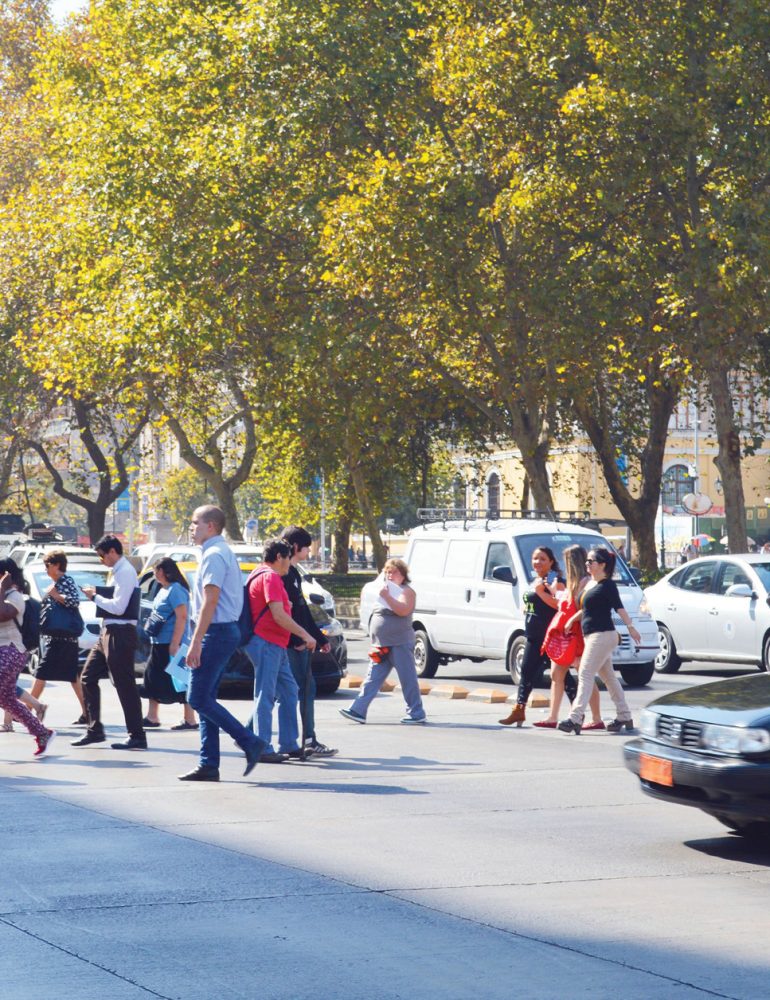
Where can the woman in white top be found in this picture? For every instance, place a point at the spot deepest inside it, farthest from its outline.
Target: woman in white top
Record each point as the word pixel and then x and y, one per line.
pixel 13 656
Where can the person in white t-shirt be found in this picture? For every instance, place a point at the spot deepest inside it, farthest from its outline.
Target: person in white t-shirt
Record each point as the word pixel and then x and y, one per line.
pixel 13 656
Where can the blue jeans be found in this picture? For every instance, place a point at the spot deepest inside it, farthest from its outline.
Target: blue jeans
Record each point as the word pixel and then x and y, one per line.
pixel 400 658
pixel 273 681
pixel 301 668
pixel 219 644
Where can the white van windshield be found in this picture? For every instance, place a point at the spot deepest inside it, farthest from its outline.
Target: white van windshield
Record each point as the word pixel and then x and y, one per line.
pixel 558 542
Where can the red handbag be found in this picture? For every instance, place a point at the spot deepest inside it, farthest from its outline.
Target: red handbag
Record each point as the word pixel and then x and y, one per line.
pixel 559 646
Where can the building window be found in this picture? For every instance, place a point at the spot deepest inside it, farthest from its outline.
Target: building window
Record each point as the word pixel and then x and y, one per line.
pixel 677 483
pixel 458 493
pixel 493 493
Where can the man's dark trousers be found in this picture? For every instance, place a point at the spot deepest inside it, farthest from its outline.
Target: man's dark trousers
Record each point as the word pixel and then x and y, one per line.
pixel 113 656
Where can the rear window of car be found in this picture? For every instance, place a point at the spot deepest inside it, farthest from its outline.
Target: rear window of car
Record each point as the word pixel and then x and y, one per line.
pixel 558 542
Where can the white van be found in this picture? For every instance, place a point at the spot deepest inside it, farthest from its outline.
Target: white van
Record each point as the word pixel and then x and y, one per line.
pixel 469 576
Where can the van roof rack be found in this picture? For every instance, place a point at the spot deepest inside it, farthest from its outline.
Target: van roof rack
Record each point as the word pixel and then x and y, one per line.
pixel 468 514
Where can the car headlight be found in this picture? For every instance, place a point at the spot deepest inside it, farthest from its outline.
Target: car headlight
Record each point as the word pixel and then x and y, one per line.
pixel 648 723
pixel 644 609
pixel 735 740
pixel 333 628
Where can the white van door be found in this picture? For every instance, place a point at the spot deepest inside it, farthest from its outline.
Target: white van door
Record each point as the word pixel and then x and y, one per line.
pixel 457 627
pixel 497 603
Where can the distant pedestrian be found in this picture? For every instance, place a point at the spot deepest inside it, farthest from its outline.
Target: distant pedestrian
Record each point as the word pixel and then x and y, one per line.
pixel 216 603
pixel 13 655
pixel 597 604
pixel 392 635
pixel 60 654
pixel 300 657
pixel 267 649
pixel 114 654
pixel 170 606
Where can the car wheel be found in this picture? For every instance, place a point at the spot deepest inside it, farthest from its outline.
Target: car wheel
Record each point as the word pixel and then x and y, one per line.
pixel 765 664
pixel 515 657
pixel 667 661
pixel 637 674
pixel 426 658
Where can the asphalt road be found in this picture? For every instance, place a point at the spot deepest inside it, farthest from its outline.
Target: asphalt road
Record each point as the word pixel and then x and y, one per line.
pixel 454 861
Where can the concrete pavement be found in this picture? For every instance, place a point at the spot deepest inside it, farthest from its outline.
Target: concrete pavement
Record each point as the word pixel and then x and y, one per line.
pixel 453 861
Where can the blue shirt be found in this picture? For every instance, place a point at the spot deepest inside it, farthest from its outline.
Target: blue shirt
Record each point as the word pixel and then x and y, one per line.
pixel 219 566
pixel 167 600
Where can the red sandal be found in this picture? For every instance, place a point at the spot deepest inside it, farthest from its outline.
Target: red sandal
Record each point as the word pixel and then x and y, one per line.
pixel 594 725
pixel 545 724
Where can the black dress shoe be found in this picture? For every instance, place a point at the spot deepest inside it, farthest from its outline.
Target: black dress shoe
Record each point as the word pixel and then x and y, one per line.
pixel 132 743
pixel 253 756
pixel 84 741
pixel 201 773
pixel 273 758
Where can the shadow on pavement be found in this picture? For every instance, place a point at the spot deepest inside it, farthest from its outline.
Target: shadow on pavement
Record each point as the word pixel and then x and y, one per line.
pixel 345 789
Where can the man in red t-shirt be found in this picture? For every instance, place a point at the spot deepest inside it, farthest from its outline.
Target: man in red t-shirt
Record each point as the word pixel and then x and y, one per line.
pixel 273 679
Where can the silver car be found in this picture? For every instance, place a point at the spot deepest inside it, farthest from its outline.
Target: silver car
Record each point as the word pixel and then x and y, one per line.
pixel 713 608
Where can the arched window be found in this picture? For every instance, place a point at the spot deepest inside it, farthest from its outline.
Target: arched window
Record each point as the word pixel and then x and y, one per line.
pixel 677 483
pixel 493 493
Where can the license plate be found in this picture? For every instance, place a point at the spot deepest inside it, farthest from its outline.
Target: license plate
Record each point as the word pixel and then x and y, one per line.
pixel 654 769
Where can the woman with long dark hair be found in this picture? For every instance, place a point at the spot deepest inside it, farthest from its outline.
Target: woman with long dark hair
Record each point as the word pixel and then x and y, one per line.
pixel 597 603
pixel 577 579
pixel 172 605
pixel 540 603
pixel 13 655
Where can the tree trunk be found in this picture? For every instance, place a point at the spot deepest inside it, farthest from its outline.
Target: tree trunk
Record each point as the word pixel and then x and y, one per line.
pixel 638 512
pixel 367 513
pixel 342 543
pixel 6 471
pixel 728 459
pixel 226 498
pixel 96 516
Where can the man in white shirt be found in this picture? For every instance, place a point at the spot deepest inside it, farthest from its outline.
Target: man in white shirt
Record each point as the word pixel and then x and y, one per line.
pixel 114 653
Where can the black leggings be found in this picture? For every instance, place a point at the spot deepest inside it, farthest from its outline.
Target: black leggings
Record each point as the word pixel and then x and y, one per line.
pixel 532 665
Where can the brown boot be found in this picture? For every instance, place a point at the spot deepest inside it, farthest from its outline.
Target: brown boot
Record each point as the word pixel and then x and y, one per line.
pixel 517 716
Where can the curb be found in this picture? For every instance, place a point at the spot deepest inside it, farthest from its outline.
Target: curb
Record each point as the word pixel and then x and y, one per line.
pixel 453 692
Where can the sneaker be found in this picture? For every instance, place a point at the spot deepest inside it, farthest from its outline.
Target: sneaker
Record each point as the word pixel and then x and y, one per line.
pixel 353 716
pixel 408 720
pixel 44 744
pixel 319 750
pixel 6 727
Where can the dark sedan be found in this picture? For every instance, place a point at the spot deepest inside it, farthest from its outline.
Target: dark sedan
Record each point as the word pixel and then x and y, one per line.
pixel 709 746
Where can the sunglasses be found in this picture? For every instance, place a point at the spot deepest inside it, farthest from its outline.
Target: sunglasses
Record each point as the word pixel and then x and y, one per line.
pixel 589 561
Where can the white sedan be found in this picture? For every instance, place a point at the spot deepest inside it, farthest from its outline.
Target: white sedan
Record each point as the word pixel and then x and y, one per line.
pixel 713 608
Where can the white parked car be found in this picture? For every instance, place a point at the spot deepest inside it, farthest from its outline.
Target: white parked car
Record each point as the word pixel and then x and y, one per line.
pixel 713 608
pixel 27 552
pixel 469 577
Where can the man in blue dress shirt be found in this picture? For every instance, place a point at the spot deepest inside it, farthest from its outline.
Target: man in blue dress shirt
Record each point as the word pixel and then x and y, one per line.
pixel 215 607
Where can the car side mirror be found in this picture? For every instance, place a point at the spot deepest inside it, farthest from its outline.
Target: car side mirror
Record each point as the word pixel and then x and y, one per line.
pixel 739 590
pixel 504 574
pixel 316 598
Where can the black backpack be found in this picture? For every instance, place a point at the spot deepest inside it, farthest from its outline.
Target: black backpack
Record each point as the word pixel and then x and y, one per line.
pixel 246 623
pixel 30 624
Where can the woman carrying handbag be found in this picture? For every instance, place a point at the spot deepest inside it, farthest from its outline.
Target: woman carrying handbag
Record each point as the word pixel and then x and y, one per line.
pixel 166 628
pixel 565 650
pixel 60 628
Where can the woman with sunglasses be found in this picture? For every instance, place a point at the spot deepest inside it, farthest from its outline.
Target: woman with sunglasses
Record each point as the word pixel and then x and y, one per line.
pixel 597 603
pixel 540 601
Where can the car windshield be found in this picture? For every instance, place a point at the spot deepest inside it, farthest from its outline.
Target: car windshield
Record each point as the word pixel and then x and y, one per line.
pixel 96 577
pixel 763 572
pixel 558 542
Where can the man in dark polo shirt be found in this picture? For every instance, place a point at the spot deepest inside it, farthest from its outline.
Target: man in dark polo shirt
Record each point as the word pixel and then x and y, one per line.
pixel 300 657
